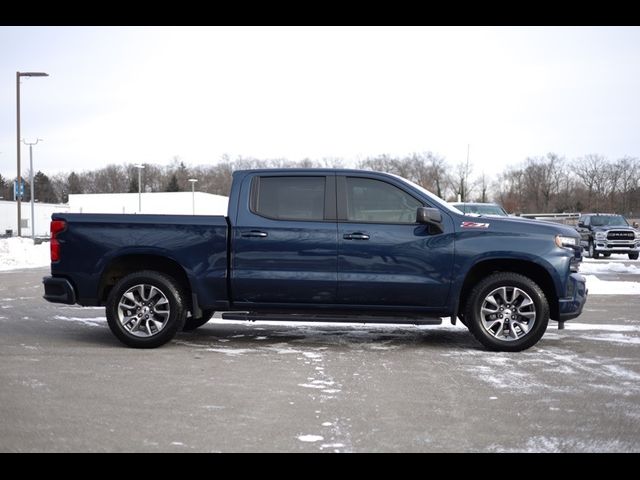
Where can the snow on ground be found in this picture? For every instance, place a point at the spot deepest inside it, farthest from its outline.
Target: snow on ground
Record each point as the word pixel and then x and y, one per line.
pixel 310 438
pixel 92 322
pixel 611 287
pixel 615 257
pixel 17 252
pixel 608 267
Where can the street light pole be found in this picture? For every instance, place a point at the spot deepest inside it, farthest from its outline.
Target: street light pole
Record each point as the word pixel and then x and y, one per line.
pixel 139 167
pixel 193 195
pixel 19 176
pixel 19 197
pixel 32 184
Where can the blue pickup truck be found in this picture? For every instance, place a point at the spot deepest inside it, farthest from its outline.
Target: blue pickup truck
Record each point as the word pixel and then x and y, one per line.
pixel 320 244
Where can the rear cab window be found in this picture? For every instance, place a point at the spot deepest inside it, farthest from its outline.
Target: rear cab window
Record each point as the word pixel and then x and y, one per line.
pixel 298 198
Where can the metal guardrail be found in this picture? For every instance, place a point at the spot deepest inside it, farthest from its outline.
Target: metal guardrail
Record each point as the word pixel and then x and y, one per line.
pixel 563 218
pixel 550 215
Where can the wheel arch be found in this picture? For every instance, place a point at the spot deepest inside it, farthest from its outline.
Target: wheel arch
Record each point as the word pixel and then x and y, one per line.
pixel 123 265
pixel 529 269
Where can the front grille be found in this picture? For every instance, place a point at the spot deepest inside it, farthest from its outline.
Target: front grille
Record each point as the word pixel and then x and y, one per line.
pixel 620 235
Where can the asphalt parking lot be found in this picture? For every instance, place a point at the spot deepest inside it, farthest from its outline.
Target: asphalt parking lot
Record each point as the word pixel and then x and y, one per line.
pixel 66 384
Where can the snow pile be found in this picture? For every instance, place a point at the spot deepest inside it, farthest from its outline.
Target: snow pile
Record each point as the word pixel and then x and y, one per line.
pixel 606 287
pixel 608 267
pixel 20 252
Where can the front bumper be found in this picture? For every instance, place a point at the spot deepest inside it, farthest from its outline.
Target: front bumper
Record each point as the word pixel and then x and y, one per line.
pixel 58 290
pixel 571 306
pixel 616 246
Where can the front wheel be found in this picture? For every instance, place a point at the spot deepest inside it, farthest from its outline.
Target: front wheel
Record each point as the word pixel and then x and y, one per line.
pixel 507 312
pixel 633 256
pixel 145 309
pixel 592 251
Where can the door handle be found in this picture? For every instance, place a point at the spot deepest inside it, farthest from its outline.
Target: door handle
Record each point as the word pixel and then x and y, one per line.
pixel 355 236
pixel 254 233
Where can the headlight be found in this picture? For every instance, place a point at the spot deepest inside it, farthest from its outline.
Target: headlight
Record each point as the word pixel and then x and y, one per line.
pixel 562 241
pixel 601 235
pixel 637 235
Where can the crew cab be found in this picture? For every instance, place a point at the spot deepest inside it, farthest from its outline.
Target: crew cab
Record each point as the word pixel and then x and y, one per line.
pixel 607 233
pixel 319 244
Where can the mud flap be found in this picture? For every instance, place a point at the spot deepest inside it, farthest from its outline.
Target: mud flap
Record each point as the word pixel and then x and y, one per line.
pixel 560 325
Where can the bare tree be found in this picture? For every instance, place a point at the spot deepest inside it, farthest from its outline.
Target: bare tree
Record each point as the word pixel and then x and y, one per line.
pixel 438 170
pixel 461 181
pixel 509 190
pixel 591 170
pixel 482 183
pixel 564 184
pixel 430 171
pixel 110 179
pixel 539 184
pixel 629 184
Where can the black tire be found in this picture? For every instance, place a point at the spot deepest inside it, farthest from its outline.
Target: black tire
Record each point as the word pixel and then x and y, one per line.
pixel 169 304
pixel 592 251
pixel 539 308
pixel 633 256
pixel 606 255
pixel 192 323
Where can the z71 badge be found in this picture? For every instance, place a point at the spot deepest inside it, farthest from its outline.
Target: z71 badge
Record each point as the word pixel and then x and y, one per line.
pixel 474 225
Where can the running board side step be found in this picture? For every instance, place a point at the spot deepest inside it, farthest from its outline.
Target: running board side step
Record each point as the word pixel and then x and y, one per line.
pixel 281 317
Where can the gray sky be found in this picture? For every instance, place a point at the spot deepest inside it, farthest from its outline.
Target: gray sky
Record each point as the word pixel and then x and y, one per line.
pixel 141 94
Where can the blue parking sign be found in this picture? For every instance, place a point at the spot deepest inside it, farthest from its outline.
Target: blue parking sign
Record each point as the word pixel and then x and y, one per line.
pixel 15 188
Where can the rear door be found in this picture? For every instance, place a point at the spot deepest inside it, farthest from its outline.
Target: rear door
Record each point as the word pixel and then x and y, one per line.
pixel 385 258
pixel 284 244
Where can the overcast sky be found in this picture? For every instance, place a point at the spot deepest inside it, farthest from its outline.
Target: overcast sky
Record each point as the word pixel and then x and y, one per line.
pixel 141 94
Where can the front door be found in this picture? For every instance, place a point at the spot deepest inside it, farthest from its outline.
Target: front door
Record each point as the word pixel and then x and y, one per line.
pixel 284 249
pixel 385 258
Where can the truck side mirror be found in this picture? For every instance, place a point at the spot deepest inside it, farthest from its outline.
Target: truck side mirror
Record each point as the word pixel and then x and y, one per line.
pixel 635 225
pixel 581 224
pixel 430 216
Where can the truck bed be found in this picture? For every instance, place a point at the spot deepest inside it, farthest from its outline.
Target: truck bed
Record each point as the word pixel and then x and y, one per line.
pixel 99 242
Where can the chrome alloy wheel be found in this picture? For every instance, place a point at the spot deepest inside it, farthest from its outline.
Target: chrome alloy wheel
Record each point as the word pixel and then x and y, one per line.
pixel 143 310
pixel 507 313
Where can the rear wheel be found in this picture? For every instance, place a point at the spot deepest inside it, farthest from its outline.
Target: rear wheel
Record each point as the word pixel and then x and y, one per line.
pixel 606 255
pixel 191 323
pixel 145 309
pixel 633 256
pixel 507 312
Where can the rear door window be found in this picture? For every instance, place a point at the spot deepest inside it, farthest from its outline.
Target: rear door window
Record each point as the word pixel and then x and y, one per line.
pixel 289 198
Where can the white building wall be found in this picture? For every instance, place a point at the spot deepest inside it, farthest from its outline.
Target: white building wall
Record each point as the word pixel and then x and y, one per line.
pixel 42 213
pixel 174 203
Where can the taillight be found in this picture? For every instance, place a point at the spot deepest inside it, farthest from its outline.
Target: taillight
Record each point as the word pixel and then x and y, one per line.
pixel 57 226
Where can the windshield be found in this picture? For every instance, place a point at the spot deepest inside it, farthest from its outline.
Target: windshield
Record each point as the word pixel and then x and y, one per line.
pixel 481 209
pixel 609 221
